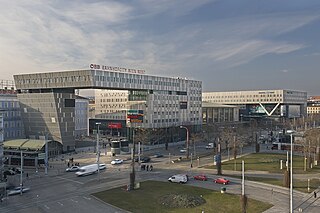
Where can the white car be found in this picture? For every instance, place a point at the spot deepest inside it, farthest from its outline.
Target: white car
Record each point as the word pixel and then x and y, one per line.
pixel 184 150
pixel 178 178
pixel 72 169
pixel 116 161
pixel 210 146
pixel 102 166
pixel 17 191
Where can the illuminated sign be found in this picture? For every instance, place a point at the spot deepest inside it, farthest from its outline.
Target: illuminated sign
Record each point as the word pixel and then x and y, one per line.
pixel 116 69
pixel 135 116
pixel 114 126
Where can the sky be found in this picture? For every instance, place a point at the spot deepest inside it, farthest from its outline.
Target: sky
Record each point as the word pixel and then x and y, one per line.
pixel 227 44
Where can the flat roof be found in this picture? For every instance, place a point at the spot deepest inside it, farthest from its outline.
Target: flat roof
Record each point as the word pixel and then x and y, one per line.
pixel 24 144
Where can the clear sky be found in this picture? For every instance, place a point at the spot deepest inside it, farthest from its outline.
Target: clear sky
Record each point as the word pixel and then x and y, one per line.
pixel 227 44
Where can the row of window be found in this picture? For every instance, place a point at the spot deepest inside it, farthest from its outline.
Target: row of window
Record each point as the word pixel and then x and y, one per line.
pixel 242 96
pixel 55 79
pixel 9 104
pixel 248 100
pixel 11 114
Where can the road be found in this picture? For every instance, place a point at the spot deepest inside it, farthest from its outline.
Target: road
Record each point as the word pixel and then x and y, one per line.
pixel 60 191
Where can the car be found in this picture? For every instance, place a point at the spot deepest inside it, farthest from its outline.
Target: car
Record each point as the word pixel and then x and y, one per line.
pixel 102 166
pixel 143 159
pixel 200 177
pixel 9 172
pixel 116 161
pixel 178 178
pixel 158 155
pixel 72 169
pixel 210 146
pixel 222 181
pixel 183 150
pixel 17 190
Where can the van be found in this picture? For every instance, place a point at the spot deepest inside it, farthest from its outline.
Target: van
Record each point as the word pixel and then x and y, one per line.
pixel 178 178
pixel 90 169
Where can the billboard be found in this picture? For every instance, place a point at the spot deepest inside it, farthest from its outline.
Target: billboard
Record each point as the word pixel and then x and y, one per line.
pixel 114 125
pixel 135 116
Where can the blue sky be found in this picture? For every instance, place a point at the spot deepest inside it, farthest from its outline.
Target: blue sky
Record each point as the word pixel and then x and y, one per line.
pixel 227 44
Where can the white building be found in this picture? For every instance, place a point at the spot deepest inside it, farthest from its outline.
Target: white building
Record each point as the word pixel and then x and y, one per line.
pixel 257 103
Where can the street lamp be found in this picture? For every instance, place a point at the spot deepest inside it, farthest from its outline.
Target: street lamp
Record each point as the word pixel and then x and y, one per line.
pixel 21 162
pixel 98 150
pixel 291 187
pixel 183 127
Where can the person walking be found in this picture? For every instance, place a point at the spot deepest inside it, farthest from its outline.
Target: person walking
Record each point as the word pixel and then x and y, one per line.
pixel 151 167
pixel 147 167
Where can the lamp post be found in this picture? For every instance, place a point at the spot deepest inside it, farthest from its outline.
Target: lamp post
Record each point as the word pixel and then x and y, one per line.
pixel 21 162
pixel 98 150
pixel 132 174
pixel 183 127
pixel 46 157
pixel 291 187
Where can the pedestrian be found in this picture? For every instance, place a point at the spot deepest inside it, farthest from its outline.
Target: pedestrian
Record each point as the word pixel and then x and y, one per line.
pixel 147 167
pixel 151 167
pixel 315 194
pixel 27 175
pixel 68 164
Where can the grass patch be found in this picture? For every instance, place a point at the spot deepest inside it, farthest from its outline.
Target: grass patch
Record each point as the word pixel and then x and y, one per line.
pixel 266 162
pixel 300 185
pixel 148 199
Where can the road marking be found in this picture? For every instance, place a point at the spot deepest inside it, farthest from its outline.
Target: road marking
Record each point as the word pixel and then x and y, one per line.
pixel 70 180
pixel 61 204
pixel 87 198
pixel 47 207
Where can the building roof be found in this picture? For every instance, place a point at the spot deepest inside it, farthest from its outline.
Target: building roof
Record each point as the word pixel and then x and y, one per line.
pixel 24 144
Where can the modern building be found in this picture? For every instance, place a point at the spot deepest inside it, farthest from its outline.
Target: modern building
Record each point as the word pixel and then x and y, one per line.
pixel 81 117
pixel 48 100
pixel 218 113
pixel 262 103
pixel 10 107
pixel 1 149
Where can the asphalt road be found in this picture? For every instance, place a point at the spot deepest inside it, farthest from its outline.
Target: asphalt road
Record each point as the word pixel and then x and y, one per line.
pixel 61 191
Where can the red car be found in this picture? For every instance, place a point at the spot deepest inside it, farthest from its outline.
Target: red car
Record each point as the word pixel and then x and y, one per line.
pixel 222 181
pixel 200 177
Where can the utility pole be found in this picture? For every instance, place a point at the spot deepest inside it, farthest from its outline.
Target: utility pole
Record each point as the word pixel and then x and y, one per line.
pixel 46 157
pixel 187 140
pixel 218 159
pixel 243 196
pixel 132 174
pixel 21 167
pixel 98 151
pixel 291 186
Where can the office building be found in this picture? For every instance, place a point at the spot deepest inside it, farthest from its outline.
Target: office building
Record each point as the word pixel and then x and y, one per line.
pixel 263 103
pixel 153 101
